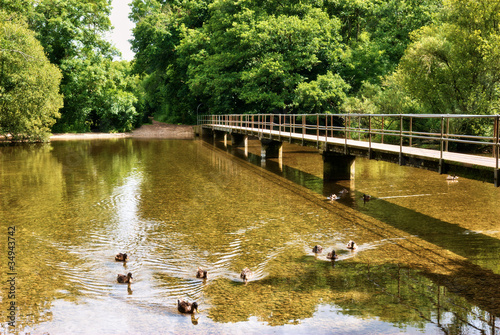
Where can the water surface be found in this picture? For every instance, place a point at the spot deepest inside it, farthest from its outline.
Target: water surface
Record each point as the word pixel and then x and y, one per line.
pixel 427 261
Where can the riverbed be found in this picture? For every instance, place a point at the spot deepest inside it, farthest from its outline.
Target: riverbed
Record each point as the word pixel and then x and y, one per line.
pixel 426 262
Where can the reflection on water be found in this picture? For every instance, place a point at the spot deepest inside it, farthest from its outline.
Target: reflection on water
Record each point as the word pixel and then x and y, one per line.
pixel 426 263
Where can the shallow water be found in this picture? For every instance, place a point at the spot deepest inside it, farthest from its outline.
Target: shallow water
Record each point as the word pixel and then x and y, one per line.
pixel 427 260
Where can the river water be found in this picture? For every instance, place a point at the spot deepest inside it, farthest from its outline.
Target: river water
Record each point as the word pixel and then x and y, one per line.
pixel 427 260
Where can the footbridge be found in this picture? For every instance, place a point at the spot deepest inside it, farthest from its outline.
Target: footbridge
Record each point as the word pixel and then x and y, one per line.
pixel 447 144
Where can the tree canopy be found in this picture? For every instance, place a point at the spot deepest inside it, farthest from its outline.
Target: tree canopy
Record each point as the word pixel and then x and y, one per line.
pixel 29 83
pixel 453 66
pixel 253 56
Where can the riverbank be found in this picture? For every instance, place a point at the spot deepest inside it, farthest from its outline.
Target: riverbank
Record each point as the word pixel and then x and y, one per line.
pixel 155 130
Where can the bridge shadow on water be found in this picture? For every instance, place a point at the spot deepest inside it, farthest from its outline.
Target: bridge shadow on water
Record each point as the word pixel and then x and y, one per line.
pixel 473 278
pixel 443 234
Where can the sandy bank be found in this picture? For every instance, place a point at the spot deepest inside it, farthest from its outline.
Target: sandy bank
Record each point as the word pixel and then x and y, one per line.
pixel 155 130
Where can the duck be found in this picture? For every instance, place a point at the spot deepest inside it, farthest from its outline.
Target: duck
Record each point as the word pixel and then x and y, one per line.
pixel 201 273
pixel 450 177
pixel 343 191
pixel 317 249
pixel 246 274
pixel 332 255
pixel 352 245
pixel 125 278
pixel 366 197
pixel 332 197
pixel 187 307
pixel 121 257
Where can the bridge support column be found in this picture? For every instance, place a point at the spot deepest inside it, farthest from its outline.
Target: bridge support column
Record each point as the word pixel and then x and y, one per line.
pixel 271 149
pixel 219 135
pixel 338 166
pixel 240 141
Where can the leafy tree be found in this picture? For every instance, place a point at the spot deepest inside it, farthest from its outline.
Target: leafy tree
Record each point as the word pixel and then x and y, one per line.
pixel 72 33
pixel 29 84
pixel 376 34
pixel 454 66
pixel 227 57
pixel 325 93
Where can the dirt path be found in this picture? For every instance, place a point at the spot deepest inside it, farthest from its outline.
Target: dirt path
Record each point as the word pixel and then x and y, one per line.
pixel 155 130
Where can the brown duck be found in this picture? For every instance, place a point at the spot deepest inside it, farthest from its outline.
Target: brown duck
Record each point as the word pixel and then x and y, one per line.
pixel 187 307
pixel 352 245
pixel 201 273
pixel 332 255
pixel 317 249
pixel 246 274
pixel 125 278
pixel 121 257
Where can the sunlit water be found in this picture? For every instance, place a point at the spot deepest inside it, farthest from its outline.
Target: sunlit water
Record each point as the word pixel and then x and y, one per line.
pixel 427 262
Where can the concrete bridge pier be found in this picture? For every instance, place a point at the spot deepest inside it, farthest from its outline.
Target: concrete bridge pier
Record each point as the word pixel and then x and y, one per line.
pixel 338 166
pixel 240 141
pixel 271 149
pixel 220 136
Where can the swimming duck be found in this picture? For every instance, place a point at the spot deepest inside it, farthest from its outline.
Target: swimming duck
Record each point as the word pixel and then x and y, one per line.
pixel 317 249
pixel 201 273
pixel 332 255
pixel 352 245
pixel 332 197
pixel 343 191
pixel 121 257
pixel 187 307
pixel 246 274
pixel 124 278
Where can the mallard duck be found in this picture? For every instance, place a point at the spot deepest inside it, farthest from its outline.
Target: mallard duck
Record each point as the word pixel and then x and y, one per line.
pixel 317 249
pixel 187 307
pixel 121 257
pixel 125 278
pixel 246 274
pixel 201 273
pixel 332 255
pixel 352 245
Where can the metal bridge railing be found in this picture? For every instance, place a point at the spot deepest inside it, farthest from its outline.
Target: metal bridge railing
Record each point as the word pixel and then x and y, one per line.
pixel 443 132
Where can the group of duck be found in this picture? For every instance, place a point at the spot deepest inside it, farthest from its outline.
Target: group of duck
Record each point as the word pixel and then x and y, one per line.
pixel 182 306
pixel 343 192
pixel 245 275
pixel 332 255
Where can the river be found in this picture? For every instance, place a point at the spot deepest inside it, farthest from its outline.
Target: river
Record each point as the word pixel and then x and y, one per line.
pixel 427 260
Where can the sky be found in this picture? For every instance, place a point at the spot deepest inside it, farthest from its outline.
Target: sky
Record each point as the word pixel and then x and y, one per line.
pixel 123 28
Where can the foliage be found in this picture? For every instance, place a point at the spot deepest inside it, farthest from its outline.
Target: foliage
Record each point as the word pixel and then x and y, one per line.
pixel 377 33
pixel 29 84
pixel 100 97
pixel 72 35
pixel 267 56
pixel 454 66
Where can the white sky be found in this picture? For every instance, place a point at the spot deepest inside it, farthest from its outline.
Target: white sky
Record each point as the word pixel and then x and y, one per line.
pixel 123 28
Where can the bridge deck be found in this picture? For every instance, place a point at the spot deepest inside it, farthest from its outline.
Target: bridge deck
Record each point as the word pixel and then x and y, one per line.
pixel 465 159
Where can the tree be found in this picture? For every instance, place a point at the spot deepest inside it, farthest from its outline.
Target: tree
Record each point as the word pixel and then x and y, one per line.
pixel 376 34
pixel 454 66
pixel 29 84
pixel 233 57
pixel 72 33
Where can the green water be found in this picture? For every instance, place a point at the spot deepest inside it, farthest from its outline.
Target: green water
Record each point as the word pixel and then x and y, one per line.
pixel 427 261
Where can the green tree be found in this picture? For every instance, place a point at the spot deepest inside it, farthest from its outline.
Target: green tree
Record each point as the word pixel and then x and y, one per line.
pixel 233 57
pixel 454 66
pixel 72 33
pixel 29 84
pixel 376 34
